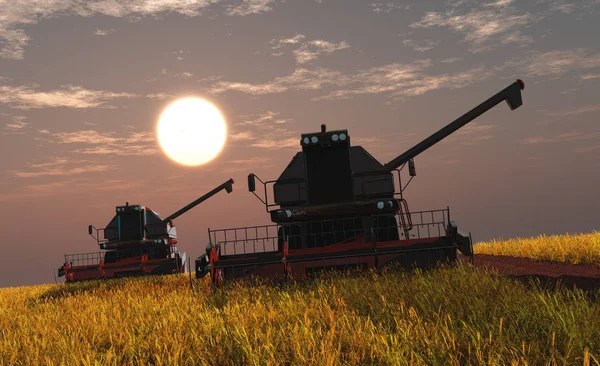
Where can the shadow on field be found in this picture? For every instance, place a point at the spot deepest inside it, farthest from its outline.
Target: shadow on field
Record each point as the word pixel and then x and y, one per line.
pixel 587 284
pixel 63 291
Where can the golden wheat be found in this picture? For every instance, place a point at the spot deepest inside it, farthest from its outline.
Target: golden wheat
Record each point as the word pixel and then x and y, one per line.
pixel 453 316
pixel 574 248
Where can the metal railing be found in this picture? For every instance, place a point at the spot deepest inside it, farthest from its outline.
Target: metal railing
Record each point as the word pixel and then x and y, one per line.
pixel 244 240
pixel 94 258
pixel 97 236
pixel 84 259
pixel 380 228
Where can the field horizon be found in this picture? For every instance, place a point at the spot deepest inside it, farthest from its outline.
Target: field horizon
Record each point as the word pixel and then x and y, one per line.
pixel 451 315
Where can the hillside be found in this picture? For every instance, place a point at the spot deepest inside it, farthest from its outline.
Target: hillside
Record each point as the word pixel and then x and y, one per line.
pixel 445 316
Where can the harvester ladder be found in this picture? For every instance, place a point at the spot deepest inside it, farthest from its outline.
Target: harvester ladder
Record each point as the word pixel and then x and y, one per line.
pixel 406 221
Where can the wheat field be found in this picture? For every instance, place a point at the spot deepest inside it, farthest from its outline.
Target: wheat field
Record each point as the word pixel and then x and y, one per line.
pixel 573 248
pixel 447 316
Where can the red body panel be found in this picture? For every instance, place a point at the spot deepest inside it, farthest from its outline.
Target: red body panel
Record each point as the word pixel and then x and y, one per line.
pixel 357 254
pixel 126 267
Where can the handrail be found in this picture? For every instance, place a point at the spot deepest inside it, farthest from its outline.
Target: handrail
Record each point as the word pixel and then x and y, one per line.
pixel 247 240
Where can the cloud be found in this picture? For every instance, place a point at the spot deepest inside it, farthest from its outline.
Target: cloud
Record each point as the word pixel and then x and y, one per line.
pixel 567 91
pixel 266 130
pixel 566 7
pixel 307 50
pixel 210 79
pixel 569 136
pixel 129 150
pixel 234 166
pixel 388 7
pixel 68 187
pixel 403 80
pixel 275 142
pixel 180 54
pixel 242 136
pixel 485 26
pixel 420 46
pixel 587 149
pixel 247 7
pixel 396 79
pixel 370 142
pixel 62 172
pixel 589 76
pixel 100 32
pixel 184 75
pixel 366 140
pixel 159 96
pixel 444 161
pixel 18 14
pixel 570 112
pixel 300 79
pixel 499 3
pixel 60 166
pixel 369 81
pixel 285 41
pixel 451 60
pixel 261 119
pixel 406 80
pixel 70 96
pixel 474 128
pixel 250 161
pixel 16 126
pixel 555 63
pixel 313 49
pixel 472 134
pixel 106 143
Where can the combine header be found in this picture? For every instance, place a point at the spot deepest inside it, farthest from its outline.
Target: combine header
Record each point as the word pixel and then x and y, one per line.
pixel 338 208
pixel 136 242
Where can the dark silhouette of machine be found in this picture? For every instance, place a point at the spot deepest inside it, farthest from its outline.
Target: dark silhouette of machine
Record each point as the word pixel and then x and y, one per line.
pixel 338 208
pixel 136 242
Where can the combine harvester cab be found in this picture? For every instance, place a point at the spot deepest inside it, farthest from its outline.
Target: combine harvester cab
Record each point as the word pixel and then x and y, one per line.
pixel 135 242
pixel 336 207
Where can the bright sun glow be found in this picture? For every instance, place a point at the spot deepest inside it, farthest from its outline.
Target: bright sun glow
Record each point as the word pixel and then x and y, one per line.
pixel 191 131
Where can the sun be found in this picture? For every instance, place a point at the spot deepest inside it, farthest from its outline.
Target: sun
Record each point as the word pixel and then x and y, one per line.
pixel 191 131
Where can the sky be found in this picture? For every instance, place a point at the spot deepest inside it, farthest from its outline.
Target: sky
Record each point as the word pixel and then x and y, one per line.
pixel 83 83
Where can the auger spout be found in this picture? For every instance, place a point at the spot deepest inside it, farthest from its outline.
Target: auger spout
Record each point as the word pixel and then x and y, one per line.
pixel 227 186
pixel 511 94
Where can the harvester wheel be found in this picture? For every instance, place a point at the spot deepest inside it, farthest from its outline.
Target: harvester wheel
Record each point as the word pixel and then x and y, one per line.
pixel 219 278
pixel 287 270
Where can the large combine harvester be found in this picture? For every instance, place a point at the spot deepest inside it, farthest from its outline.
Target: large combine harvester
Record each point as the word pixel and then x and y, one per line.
pixel 135 242
pixel 337 207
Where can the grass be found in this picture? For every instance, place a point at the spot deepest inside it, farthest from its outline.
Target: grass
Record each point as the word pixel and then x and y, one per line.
pixel 575 248
pixel 447 316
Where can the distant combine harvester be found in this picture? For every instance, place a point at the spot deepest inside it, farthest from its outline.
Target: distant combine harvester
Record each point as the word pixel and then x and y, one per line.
pixel 337 207
pixel 135 242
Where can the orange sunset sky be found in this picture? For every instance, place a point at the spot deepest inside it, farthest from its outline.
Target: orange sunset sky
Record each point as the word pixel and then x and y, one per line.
pixel 82 85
